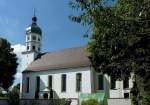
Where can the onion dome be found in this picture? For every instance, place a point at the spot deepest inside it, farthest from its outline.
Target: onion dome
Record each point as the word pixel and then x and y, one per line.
pixel 34 28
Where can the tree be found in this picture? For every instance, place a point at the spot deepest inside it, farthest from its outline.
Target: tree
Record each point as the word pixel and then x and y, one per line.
pixel 8 64
pixel 120 40
pixel 13 95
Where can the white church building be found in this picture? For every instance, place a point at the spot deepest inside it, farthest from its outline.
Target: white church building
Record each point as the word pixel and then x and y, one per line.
pixel 66 72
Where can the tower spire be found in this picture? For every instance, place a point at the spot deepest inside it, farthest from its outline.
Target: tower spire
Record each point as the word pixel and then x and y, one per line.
pixel 34 18
pixel 34 12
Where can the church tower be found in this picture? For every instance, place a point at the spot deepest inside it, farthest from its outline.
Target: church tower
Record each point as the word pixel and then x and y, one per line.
pixel 33 37
pixel 33 41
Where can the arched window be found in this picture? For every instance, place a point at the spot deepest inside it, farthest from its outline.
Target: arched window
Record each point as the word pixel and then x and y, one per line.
pixel 37 88
pixel 113 83
pixel 33 47
pixel 126 83
pixel 27 84
pixel 39 49
pixel 50 81
pixel 63 83
pixel 28 38
pixel 27 47
pixel 33 37
pixel 78 82
pixel 38 39
pixel 100 82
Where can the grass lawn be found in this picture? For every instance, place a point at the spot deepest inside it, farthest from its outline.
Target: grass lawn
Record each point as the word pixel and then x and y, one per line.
pixel 2 98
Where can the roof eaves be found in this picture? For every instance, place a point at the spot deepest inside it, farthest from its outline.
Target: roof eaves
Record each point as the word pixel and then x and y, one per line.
pixel 40 70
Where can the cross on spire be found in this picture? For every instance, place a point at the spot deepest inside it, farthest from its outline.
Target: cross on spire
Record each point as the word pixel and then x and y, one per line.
pixel 34 12
pixel 34 19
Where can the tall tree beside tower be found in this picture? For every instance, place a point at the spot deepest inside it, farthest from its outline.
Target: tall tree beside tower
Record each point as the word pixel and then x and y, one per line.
pixel 8 64
pixel 119 43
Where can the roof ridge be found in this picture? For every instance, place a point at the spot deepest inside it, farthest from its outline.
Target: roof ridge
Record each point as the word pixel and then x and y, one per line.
pixel 60 50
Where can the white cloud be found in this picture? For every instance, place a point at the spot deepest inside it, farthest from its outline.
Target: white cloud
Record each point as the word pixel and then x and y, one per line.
pixel 18 75
pixel 18 48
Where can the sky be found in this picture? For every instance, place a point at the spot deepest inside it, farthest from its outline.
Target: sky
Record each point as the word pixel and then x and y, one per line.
pixel 58 31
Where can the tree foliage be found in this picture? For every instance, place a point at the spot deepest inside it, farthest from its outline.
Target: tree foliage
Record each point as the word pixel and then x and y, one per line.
pixel 13 95
pixel 119 43
pixel 8 64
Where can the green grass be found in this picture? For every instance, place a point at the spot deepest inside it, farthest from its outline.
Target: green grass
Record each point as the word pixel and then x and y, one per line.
pixel 3 98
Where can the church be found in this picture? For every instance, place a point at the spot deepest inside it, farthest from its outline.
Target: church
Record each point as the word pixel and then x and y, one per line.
pixel 67 73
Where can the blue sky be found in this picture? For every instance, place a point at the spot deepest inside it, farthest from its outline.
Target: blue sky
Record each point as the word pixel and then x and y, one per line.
pixel 58 31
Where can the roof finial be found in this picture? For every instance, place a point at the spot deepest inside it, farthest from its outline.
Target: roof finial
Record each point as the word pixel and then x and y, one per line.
pixel 34 12
pixel 34 19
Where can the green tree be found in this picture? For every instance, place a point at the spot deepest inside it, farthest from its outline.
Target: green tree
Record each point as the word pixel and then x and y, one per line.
pixel 13 95
pixel 120 40
pixel 8 64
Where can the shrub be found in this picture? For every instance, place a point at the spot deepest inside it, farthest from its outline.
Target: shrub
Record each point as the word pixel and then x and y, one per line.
pixel 90 102
pixel 13 96
pixel 62 101
pixel 1 94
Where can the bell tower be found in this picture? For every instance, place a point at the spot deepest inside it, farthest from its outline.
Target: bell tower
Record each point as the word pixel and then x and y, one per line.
pixel 33 37
pixel 33 42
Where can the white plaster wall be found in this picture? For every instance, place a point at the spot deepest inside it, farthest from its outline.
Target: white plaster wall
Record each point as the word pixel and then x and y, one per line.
pixel 116 93
pixel 27 59
pixel 71 82
pixel 119 102
pixel 88 79
pixel 119 91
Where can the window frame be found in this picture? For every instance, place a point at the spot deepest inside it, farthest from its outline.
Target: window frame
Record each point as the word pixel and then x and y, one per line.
pixel 27 84
pixel 39 49
pixel 78 82
pixel 112 83
pixel 63 83
pixel 37 83
pixel 126 83
pixel 50 81
pixel 28 47
pixel 39 39
pixel 99 87
pixel 33 48
pixel 28 38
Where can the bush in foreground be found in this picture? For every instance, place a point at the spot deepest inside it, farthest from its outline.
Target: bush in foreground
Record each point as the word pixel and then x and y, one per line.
pixel 13 96
pixel 90 102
